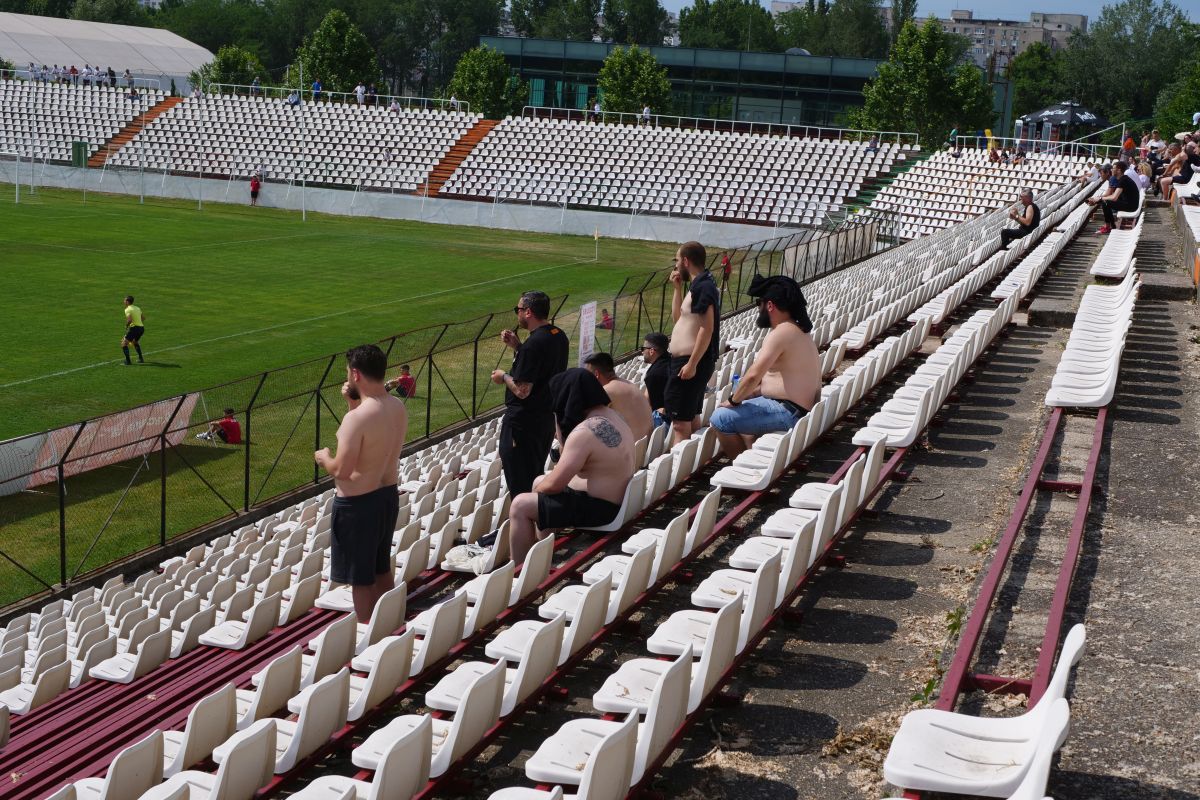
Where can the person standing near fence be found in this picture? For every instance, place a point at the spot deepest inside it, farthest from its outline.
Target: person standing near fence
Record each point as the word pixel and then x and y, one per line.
pixel 255 186
pixel 367 505
pixel 527 429
pixel 135 326
pixel 694 340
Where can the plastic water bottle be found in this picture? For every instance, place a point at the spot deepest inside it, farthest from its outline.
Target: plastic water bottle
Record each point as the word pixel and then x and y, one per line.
pixel 735 382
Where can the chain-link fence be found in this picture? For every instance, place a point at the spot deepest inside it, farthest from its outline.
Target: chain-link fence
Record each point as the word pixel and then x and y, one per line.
pixel 80 497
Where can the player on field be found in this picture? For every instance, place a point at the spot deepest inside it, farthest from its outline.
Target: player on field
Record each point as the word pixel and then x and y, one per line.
pixel 135 326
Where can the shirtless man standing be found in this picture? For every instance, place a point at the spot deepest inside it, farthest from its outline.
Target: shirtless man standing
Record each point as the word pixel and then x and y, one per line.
pixel 694 340
pixel 587 485
pixel 784 382
pixel 626 399
pixel 369 442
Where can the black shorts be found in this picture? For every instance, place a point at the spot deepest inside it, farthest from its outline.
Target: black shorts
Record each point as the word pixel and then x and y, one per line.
pixel 683 400
pixel 361 540
pixel 134 332
pixel 222 435
pixel 254 193
pixel 1181 179
pixel 571 508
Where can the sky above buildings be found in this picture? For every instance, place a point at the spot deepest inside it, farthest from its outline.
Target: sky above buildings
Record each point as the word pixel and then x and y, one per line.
pixel 1003 9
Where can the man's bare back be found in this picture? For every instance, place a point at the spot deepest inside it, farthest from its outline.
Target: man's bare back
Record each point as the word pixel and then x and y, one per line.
pixel 629 401
pixel 794 369
pixel 375 433
pixel 603 445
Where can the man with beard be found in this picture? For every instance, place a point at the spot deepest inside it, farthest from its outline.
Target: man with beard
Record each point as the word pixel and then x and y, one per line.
pixel 784 382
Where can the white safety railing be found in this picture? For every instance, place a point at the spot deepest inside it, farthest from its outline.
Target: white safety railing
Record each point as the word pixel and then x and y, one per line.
pixel 305 94
pixel 1034 147
pixel 732 125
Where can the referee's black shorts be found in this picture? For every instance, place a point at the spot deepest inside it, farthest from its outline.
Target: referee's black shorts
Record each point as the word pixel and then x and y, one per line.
pixel 134 332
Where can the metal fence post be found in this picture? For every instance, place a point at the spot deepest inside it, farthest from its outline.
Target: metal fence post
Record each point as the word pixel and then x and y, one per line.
pixel 317 425
pixel 62 506
pixel 246 440
pixel 162 466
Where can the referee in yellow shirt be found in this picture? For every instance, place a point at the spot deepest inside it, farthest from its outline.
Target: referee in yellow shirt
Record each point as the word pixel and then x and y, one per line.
pixel 135 326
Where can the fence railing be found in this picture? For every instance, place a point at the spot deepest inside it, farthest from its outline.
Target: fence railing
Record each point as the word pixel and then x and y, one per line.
pixel 305 94
pixel 709 124
pixel 76 499
pixel 96 79
pixel 1040 146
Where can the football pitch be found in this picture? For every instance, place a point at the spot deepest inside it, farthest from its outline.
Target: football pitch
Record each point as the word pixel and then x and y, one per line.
pixel 232 290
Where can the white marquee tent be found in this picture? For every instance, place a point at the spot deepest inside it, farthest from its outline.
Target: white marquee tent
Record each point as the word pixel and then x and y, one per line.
pixel 146 52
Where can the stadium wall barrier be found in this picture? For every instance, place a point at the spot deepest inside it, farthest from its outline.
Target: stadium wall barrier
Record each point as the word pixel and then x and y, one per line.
pixel 347 202
pixel 120 492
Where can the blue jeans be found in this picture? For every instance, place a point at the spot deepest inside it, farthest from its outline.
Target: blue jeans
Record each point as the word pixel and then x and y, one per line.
pixel 754 417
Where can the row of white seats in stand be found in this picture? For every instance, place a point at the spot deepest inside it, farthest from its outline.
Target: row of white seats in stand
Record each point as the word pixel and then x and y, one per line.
pixel 1115 259
pixel 1010 757
pixel 912 406
pixel 1086 376
pixel 1021 280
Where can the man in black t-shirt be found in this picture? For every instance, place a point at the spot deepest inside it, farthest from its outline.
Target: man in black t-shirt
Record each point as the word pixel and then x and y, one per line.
pixel 655 353
pixel 694 340
pixel 1122 194
pixel 527 429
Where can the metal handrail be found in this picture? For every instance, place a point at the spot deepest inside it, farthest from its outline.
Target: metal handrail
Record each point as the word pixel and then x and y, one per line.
pixel 348 98
pixel 1039 146
pixel 25 74
pixel 712 124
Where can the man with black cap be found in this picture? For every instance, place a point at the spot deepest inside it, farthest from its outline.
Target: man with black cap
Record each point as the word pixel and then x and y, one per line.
pixel 784 382
pixel 588 482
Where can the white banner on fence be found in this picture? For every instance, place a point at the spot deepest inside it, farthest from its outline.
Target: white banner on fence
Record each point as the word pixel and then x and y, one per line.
pixel 587 331
pixel 18 459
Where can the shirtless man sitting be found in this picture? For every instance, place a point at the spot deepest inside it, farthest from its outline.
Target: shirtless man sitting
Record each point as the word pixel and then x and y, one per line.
pixel 784 382
pixel 587 485
pixel 369 442
pixel 694 340
pixel 626 399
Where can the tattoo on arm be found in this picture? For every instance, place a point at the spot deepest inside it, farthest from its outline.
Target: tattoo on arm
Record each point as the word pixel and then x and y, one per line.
pixel 605 432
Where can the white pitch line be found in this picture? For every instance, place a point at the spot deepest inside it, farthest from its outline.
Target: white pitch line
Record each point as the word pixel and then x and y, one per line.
pixel 301 321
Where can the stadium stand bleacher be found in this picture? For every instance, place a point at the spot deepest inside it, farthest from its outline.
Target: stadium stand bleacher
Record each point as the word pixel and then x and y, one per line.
pixel 325 143
pixel 261 594
pixel 944 190
pixel 48 117
pixel 723 175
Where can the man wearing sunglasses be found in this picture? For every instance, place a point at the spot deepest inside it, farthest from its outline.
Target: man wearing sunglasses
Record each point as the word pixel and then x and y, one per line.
pixel 527 429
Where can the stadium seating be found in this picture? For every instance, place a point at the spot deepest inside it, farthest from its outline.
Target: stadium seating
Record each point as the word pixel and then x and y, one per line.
pixel 48 117
pixel 724 176
pixel 943 190
pixel 325 143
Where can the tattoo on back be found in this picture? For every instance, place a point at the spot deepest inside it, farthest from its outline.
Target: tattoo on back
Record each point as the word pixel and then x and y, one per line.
pixel 605 432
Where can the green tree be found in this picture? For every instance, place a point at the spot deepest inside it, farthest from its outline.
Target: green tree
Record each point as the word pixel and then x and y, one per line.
pixel 805 26
pixel 925 86
pixel 1036 78
pixel 1119 66
pixel 121 12
pixel 41 8
pixel 338 54
pixel 630 79
pixel 232 64
pixel 212 24
pixel 847 28
pixel 635 22
pixel 1178 102
pixel 484 79
pixel 556 19
pixel 902 11
pixel 288 24
pixel 728 25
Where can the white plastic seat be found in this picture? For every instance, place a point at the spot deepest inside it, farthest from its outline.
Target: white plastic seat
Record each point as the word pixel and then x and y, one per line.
pixel 135 770
pixel 587 617
pixel 403 771
pixel 276 683
pixel 248 767
pixel 235 634
pixel 210 722
pixel 128 667
pixel 634 577
pixel 478 712
pixel 947 752
pixel 445 630
pixel 701 527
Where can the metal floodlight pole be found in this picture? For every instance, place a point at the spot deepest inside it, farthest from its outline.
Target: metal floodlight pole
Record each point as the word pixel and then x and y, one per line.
pixel 304 145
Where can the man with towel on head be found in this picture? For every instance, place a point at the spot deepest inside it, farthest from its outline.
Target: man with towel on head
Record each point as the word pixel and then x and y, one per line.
pixel 587 485
pixel 784 382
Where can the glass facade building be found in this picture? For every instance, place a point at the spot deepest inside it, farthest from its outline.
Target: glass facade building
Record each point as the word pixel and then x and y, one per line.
pixel 720 84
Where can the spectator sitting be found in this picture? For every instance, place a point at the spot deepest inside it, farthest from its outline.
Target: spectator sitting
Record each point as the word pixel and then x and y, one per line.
pixel 587 485
pixel 1018 157
pixel 784 382
pixel 656 353
pixel 956 152
pixel 1089 174
pixel 133 93
pixel 404 384
pixel 453 103
pixel 994 156
pixel 293 99
pixel 1181 167
pixel 606 320
pixel 227 429
pixel 1027 217
pixel 1155 143
pixel 873 144
pixel 1145 176
pixel 394 107
pixel 625 398
pixel 1123 196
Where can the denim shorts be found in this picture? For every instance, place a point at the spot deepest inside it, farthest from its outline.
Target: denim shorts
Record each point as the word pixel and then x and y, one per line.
pixel 755 416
